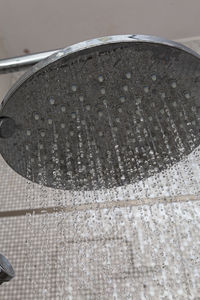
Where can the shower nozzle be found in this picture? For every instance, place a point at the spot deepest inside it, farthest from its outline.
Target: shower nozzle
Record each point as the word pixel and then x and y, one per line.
pixel 7 127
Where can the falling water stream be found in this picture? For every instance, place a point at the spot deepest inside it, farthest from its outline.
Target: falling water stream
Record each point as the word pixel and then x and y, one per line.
pixel 129 134
pixel 86 251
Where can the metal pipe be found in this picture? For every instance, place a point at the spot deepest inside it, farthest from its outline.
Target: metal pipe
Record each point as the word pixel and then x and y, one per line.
pixel 99 205
pixel 19 63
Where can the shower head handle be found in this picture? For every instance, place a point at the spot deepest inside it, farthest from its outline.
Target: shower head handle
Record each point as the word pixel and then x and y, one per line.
pixel 20 63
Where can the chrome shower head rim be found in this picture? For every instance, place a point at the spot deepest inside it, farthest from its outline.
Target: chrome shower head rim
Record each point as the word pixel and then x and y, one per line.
pixel 87 45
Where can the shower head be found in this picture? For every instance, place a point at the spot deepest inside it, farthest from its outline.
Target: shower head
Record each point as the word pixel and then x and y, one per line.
pixel 6 270
pixel 103 113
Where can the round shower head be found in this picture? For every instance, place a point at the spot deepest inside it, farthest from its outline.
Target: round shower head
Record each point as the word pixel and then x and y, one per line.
pixel 103 113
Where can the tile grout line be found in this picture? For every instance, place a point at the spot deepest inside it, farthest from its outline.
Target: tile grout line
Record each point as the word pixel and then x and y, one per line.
pixel 100 205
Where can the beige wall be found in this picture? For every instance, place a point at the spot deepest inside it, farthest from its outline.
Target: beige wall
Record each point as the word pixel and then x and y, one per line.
pixel 48 24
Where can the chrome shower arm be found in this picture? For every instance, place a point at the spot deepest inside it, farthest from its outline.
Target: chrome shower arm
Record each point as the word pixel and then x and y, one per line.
pixel 19 63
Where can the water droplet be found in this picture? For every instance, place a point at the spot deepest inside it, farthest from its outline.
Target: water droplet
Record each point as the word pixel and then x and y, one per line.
pixel 128 75
pixel 150 118
pixel 73 115
pixel 28 132
pixel 137 111
pixel 45 291
pixel 153 77
pixel 122 99
pixel 100 113
pixel 50 121
pixel 117 120
pixel 87 107
pixel 63 108
pixel 180 292
pixel 173 84
pixel 187 95
pixel 103 91
pixel 92 171
pixel 138 100
pixel 42 133
pixel 193 108
pixel 146 89
pixel 119 109
pixel 81 98
pixel 62 125
pixel 74 88
pixel 36 116
pixel 162 111
pixel 125 88
pixel 163 95
pixel 52 101
pixel 100 78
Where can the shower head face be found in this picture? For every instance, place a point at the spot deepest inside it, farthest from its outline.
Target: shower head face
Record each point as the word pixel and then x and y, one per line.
pixel 104 113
